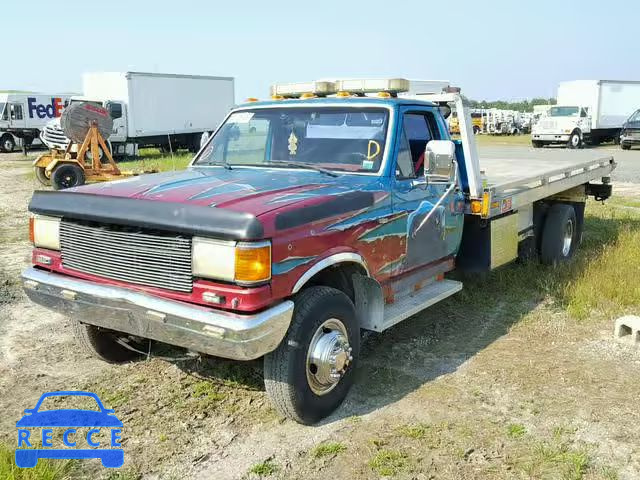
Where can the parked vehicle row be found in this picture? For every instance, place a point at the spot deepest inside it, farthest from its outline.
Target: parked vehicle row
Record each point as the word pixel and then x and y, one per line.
pixel 587 112
pixel 152 109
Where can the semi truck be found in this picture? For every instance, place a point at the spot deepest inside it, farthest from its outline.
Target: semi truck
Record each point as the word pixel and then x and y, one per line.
pixel 587 112
pixel 23 116
pixel 153 109
pixel 304 220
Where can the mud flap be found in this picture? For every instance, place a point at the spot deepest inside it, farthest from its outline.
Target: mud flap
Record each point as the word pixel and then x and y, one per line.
pixel 369 302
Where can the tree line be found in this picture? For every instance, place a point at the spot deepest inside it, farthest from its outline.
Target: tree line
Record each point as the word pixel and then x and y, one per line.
pixel 521 106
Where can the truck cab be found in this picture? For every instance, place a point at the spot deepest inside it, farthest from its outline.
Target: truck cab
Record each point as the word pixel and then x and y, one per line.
pixel 332 208
pixel 54 138
pixel 562 124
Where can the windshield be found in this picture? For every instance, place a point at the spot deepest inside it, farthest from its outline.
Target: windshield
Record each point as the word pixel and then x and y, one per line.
pixel 3 114
pixel 635 118
pixel 563 111
pixel 334 138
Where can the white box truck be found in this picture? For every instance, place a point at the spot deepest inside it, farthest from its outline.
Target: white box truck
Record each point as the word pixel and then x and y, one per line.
pixel 24 115
pixel 588 111
pixel 153 109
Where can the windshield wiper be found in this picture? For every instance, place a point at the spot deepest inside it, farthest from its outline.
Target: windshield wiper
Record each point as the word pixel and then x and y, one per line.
pixel 224 164
pixel 290 163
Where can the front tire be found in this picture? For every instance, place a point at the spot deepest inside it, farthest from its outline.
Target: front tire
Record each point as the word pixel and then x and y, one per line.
pixel 310 373
pixel 7 143
pixel 102 343
pixel 574 140
pixel 560 235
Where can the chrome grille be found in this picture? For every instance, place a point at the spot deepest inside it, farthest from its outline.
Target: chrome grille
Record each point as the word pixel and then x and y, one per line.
pixel 147 258
pixel 53 137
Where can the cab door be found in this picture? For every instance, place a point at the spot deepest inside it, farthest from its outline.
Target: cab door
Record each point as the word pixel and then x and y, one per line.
pixel 440 236
pixel 118 114
pixel 16 115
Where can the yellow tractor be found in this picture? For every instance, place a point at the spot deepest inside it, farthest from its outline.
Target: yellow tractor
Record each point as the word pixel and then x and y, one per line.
pixel 87 158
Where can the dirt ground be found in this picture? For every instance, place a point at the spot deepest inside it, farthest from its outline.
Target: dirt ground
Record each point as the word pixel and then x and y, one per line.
pixel 496 382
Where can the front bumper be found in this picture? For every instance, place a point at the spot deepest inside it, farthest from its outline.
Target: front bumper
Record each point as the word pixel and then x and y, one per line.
pixel 206 330
pixel 629 140
pixel 550 137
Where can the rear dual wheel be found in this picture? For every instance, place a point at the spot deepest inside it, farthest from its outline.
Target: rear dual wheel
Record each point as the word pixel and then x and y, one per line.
pixel 560 235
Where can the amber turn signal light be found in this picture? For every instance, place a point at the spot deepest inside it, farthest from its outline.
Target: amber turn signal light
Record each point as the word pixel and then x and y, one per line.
pixel 253 264
pixel 31 230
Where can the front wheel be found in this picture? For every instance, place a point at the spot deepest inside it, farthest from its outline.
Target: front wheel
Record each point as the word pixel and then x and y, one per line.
pixel 310 373
pixel 574 140
pixel 105 345
pixel 7 143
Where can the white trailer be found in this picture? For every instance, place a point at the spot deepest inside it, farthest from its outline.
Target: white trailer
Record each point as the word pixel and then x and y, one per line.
pixel 154 109
pixel 24 115
pixel 588 111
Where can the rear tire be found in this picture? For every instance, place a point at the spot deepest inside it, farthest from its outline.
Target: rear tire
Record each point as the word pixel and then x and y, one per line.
pixel 67 175
pixel 41 175
pixel 560 235
pixel 102 343
pixel 323 341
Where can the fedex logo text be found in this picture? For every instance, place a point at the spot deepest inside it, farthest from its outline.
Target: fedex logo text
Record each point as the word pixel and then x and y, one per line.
pixel 52 110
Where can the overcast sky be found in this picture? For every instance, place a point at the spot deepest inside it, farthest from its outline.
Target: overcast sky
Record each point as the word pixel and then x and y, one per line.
pixel 493 50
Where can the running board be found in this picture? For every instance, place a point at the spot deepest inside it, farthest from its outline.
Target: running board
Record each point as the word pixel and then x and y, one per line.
pixel 418 301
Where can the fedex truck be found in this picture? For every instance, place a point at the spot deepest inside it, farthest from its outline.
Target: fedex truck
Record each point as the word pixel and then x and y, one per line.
pixel 161 110
pixel 24 115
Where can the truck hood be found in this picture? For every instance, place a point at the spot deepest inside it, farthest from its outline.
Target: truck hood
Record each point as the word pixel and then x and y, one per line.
pixel 555 124
pixel 250 190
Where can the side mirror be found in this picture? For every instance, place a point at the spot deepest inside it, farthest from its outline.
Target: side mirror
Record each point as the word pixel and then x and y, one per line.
pixel 440 161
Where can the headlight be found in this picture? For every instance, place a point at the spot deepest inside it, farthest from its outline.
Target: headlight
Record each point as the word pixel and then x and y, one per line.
pixel 244 262
pixel 45 232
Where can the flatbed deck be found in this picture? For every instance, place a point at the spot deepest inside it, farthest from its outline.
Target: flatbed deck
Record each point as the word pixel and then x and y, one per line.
pixel 535 175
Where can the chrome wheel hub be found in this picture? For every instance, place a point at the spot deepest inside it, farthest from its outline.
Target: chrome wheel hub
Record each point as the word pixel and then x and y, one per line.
pixel 329 356
pixel 567 240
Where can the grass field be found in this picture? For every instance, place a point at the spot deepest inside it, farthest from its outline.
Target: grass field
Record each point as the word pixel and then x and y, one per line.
pixel 153 159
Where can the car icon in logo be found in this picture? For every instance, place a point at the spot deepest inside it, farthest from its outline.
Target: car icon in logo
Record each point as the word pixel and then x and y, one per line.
pixel 69 419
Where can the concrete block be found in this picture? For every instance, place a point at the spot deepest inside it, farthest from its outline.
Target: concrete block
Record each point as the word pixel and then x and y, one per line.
pixel 627 330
